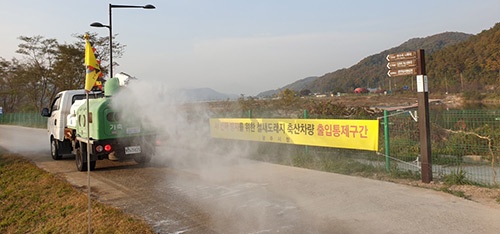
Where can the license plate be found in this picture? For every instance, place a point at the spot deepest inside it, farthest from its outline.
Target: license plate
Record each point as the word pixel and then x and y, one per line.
pixel 133 130
pixel 132 149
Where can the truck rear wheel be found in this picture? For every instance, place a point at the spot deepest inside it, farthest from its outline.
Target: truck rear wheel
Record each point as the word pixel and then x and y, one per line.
pixel 81 155
pixel 54 149
pixel 146 155
pixel 143 159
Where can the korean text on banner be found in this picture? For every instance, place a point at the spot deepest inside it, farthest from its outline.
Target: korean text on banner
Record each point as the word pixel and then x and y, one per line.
pixel 337 133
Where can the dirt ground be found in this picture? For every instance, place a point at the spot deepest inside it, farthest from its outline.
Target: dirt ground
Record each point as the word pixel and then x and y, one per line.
pixel 486 196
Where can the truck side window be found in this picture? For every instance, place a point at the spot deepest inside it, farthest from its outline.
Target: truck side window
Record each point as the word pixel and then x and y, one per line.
pixel 82 97
pixel 77 97
pixel 56 104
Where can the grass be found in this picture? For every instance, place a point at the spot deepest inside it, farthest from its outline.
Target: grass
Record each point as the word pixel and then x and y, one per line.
pixel 456 178
pixel 35 201
pixel 331 160
pixel 447 189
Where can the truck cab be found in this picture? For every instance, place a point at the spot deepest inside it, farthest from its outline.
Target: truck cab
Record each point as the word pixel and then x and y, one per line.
pixel 57 121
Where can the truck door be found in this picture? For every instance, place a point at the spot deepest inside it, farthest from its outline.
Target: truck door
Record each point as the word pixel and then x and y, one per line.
pixel 54 123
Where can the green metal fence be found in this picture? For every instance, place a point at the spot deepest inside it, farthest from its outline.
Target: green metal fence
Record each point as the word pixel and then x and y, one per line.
pixel 464 143
pixel 34 120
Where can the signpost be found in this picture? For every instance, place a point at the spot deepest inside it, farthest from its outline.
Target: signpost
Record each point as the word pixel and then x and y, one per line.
pixel 402 72
pixel 402 64
pixel 402 56
pixel 409 64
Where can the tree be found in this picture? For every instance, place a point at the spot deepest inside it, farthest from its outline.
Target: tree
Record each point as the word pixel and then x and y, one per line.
pixel 288 97
pixel 46 68
pixel 40 55
pixel 9 92
pixel 305 92
pixel 69 73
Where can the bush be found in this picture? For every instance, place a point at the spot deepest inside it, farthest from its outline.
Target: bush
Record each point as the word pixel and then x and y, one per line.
pixel 473 96
pixel 456 178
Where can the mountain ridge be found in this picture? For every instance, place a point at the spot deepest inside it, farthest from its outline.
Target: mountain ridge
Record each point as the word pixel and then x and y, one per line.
pixel 206 94
pixel 373 66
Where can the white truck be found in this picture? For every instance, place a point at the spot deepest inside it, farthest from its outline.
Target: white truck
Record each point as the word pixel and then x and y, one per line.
pixel 108 134
pixel 57 120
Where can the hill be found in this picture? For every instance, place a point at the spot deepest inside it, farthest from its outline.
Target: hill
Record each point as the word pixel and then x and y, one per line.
pixel 456 62
pixel 470 66
pixel 205 94
pixel 297 85
pixel 371 72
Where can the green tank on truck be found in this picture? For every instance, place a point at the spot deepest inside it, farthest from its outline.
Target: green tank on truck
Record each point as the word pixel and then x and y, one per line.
pixel 112 134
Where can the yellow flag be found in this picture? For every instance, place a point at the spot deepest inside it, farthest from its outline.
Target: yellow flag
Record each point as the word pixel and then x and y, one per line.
pixel 92 66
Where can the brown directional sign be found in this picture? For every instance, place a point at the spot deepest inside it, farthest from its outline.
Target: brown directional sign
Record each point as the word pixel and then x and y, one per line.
pixel 402 64
pixel 402 56
pixel 402 72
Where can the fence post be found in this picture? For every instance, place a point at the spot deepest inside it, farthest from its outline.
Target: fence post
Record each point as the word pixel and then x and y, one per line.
pixel 386 141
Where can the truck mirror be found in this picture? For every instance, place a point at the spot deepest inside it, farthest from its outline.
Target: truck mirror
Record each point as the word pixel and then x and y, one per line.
pixel 45 112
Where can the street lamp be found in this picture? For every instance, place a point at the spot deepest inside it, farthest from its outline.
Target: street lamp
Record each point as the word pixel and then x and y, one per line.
pixel 99 25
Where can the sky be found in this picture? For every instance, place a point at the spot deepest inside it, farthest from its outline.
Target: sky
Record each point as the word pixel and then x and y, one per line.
pixel 241 46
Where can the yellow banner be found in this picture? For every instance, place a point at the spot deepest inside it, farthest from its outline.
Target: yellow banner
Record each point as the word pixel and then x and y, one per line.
pixel 337 133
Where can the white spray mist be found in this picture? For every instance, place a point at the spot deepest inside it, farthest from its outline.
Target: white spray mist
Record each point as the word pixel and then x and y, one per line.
pixel 233 201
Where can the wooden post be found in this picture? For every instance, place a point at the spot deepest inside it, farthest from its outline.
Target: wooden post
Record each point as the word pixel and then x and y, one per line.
pixel 423 120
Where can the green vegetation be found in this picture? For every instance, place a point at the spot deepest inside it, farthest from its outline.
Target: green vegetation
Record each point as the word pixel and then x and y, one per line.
pixel 447 189
pixel 291 106
pixel 342 161
pixel 34 201
pixel 473 96
pixel 456 178
pixel 472 65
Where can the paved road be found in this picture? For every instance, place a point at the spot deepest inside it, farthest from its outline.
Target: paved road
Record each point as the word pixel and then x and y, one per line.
pixel 188 192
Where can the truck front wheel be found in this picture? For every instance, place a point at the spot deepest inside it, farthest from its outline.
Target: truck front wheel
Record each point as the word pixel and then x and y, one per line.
pixel 54 149
pixel 81 155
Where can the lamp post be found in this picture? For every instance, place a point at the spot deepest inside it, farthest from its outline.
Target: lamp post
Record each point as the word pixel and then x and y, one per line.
pixel 99 25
